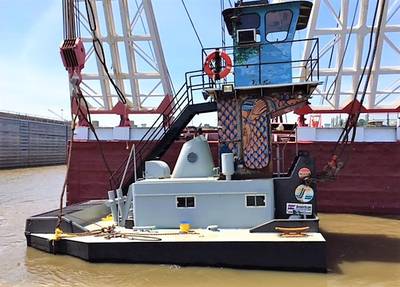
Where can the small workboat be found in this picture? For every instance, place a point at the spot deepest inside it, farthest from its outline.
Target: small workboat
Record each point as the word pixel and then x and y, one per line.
pixel 239 213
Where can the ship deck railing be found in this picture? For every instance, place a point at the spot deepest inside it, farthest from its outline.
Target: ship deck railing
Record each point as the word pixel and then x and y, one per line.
pixel 304 67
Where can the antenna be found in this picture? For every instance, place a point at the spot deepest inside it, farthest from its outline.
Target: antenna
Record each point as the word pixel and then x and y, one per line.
pixel 59 116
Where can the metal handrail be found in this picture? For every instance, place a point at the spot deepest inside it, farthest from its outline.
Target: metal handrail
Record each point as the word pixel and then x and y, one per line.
pixel 149 135
pixel 259 44
pixel 182 99
pixel 313 56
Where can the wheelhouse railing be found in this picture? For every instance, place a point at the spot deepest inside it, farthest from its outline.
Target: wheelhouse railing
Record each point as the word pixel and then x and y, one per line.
pixel 304 68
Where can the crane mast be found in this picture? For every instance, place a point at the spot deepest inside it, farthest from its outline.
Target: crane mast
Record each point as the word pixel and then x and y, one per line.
pixel 343 28
pixel 119 45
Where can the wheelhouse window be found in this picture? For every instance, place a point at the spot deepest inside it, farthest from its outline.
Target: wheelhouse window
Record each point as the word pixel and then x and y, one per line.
pixel 247 28
pixel 277 25
pixel 185 202
pixel 255 200
pixel 248 21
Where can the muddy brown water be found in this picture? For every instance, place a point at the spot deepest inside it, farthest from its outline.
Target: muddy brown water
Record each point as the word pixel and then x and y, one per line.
pixel 362 250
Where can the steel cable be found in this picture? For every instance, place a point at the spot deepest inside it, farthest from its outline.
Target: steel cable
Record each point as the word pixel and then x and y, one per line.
pixel 99 49
pixel 351 122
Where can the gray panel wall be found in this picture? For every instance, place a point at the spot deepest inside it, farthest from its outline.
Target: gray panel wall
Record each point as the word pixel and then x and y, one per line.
pixel 217 202
pixel 28 141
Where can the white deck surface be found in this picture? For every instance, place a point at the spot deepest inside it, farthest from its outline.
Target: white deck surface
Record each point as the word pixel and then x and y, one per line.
pixel 196 235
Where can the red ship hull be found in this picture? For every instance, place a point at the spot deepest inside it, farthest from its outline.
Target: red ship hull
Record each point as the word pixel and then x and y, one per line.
pixel 368 184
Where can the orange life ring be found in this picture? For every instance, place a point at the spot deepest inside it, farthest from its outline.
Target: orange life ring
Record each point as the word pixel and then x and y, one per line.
pixel 211 72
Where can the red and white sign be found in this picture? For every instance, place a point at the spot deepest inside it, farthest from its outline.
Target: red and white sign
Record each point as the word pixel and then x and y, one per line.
pixel 304 172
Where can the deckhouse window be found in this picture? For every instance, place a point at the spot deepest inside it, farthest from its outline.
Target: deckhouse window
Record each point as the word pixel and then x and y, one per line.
pixel 185 202
pixel 277 25
pixel 255 200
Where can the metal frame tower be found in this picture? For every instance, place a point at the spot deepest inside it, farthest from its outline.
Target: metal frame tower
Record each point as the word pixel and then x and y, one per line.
pixel 132 49
pixel 342 56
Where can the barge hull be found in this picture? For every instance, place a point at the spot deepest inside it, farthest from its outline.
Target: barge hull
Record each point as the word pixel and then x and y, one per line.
pixel 272 255
pixel 233 248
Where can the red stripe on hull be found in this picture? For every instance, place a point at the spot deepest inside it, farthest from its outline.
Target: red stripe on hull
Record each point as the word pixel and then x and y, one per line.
pixel 369 183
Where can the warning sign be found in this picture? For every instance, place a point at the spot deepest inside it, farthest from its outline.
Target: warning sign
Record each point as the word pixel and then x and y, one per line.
pixel 298 208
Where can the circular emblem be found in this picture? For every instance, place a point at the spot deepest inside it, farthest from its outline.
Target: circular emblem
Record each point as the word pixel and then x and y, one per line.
pixel 192 157
pixel 304 172
pixel 304 193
